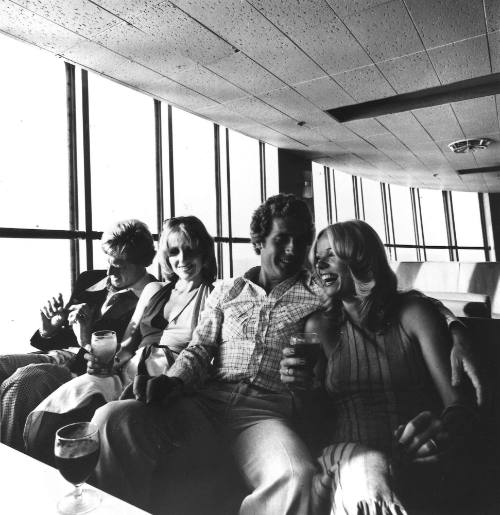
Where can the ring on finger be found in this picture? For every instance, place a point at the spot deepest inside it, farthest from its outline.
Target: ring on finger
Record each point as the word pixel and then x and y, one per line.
pixel 432 444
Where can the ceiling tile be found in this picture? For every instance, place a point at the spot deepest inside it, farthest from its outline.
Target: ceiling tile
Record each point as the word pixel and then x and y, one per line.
pixel 151 51
pixel 181 33
pixel 246 73
pixel 255 109
pixel 207 83
pixel 406 127
pixel 367 127
pixel 492 10
pixel 303 134
pixel 315 28
pixel 494 45
pixel 463 60
pixel 477 116
pixel 409 73
pixel 245 28
pixel 224 116
pixel 24 24
pixel 128 9
pixel 296 106
pixel 179 95
pixel 345 8
pixel 392 147
pixel 84 18
pixel 445 21
pixel 440 122
pixel 334 131
pixel 272 137
pixel 324 92
pixel 385 31
pixel 365 83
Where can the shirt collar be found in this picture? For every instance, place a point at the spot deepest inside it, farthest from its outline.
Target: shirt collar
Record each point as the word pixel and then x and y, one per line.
pixel 303 275
pixel 135 288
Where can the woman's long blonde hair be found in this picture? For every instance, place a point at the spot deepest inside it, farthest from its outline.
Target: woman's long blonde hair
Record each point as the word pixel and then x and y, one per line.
pixel 358 245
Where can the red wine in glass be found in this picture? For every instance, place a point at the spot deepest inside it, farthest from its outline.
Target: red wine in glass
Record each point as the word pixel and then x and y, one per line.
pixel 76 450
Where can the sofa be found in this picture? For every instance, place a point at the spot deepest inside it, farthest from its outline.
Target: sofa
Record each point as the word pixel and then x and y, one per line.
pixel 467 289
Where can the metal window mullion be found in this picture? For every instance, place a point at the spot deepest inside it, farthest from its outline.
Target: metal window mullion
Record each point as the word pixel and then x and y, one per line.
pixel 218 201
pixel 262 161
pixel 420 220
pixel 171 160
pixel 361 193
pixel 484 229
pixel 326 172
pixel 158 165
pixel 354 183
pixel 416 234
pixel 87 170
pixel 391 220
pixel 450 226
pixel 229 225
pixel 334 195
pixel 74 248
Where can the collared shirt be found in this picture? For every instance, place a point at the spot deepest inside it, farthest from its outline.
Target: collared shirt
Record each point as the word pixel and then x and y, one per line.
pixel 113 296
pixel 245 330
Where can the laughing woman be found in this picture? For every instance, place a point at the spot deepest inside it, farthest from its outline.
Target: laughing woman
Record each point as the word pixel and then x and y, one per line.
pixel 160 328
pixel 387 375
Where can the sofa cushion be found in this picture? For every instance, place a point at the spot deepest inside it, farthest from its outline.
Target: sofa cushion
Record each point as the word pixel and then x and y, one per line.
pixel 463 304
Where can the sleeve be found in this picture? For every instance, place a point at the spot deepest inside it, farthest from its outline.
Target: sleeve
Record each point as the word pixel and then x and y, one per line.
pixel 193 363
pixel 65 337
pixel 445 312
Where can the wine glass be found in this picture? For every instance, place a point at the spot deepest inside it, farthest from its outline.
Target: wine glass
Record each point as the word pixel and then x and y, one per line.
pixel 76 450
pixel 103 345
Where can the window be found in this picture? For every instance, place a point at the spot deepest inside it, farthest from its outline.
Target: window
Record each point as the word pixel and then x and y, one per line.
pixel 34 136
pixel 373 209
pixel 468 225
pixel 402 219
pixel 122 154
pixel 434 224
pixel 245 181
pixel 272 177
pixel 320 195
pixel 344 196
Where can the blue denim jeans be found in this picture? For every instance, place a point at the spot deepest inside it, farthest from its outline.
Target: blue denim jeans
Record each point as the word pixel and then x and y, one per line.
pixel 187 442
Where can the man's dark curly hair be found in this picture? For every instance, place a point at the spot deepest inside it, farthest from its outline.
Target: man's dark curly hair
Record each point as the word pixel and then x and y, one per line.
pixel 284 205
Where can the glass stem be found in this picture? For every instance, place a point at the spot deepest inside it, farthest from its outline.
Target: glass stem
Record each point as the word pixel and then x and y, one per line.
pixel 77 494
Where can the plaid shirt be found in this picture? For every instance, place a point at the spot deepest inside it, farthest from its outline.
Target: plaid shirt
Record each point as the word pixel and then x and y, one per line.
pixel 245 329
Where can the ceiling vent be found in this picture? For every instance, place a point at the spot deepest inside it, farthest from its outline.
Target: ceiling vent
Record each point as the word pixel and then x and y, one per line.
pixel 469 145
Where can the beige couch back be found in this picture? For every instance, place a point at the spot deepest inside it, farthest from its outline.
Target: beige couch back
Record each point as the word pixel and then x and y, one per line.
pixel 441 277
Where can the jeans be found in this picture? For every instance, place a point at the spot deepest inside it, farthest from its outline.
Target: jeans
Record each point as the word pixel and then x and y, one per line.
pixel 190 438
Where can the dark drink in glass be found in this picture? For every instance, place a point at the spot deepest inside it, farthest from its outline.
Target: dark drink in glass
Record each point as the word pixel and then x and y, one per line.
pixel 76 450
pixel 307 346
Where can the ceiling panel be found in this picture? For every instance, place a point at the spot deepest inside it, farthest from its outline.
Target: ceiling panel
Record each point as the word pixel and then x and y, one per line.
pixel 147 49
pixel 492 10
pixel 367 127
pixel 222 115
pixel 324 92
pixel 303 134
pixel 273 137
pixel 477 116
pixel 494 46
pixel 409 73
pixel 296 106
pixel 406 127
pixel 207 83
pixel 444 21
pixel 316 29
pixel 440 122
pixel 246 73
pixel 345 8
pixel 394 149
pixel 244 27
pixel 365 83
pixel 126 10
pixel 462 60
pixel 385 30
pixel 25 25
pixel 84 18
pixel 256 110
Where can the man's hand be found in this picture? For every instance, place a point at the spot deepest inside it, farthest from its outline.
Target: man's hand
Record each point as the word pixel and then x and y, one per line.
pixel 294 372
pixel 53 316
pixel 422 440
pixel 81 316
pixel 159 389
pixel 465 363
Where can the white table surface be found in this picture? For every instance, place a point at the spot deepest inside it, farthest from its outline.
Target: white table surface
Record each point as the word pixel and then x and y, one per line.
pixel 28 486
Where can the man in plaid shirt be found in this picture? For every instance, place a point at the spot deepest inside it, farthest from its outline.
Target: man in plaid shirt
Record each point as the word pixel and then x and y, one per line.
pixel 234 361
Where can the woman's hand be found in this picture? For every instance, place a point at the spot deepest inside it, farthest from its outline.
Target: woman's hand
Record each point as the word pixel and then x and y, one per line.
pixel 81 316
pixel 294 372
pixel 423 439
